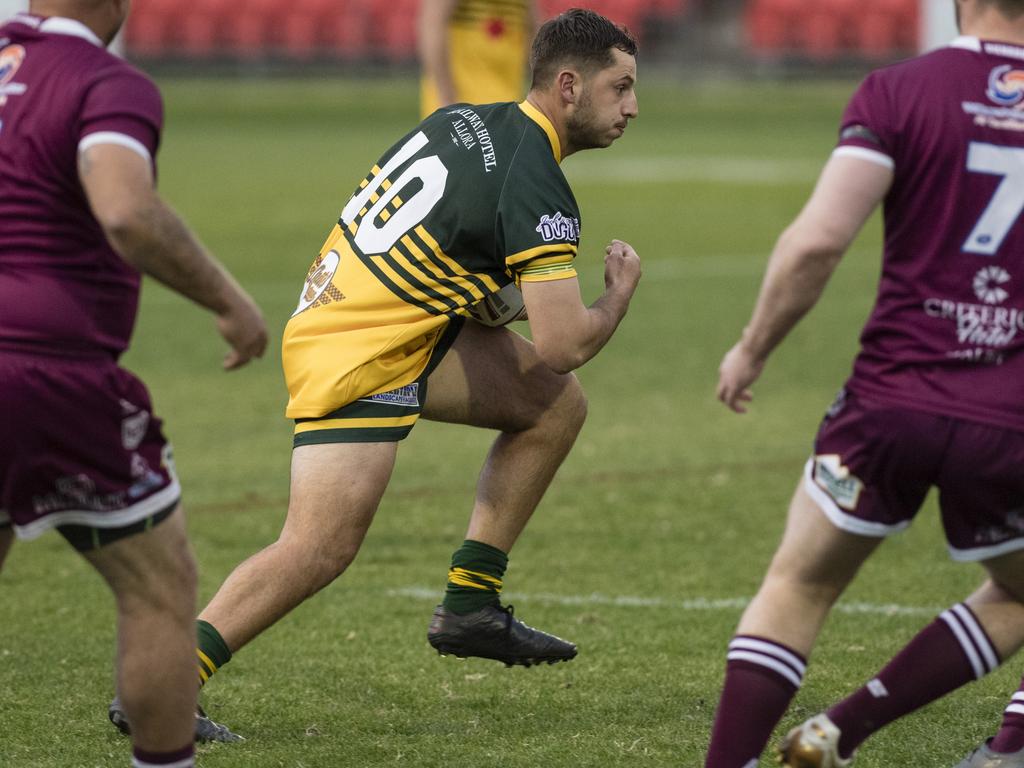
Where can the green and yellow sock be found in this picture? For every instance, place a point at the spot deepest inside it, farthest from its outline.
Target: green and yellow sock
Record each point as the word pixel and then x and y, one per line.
pixel 212 651
pixel 474 580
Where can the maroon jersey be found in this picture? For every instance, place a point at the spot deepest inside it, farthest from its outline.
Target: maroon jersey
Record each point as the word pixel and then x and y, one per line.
pixel 62 287
pixel 947 331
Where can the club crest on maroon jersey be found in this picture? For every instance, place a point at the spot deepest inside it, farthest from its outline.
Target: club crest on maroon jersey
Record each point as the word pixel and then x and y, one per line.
pixel 1006 85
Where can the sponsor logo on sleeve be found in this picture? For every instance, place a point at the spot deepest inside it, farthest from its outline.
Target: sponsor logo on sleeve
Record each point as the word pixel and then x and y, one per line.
pixel 836 480
pixel 558 227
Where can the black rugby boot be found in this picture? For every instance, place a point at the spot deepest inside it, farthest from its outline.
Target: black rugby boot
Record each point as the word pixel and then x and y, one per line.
pixel 492 632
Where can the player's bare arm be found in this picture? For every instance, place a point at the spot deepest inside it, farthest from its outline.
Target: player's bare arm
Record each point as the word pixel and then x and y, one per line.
pixel 150 236
pixel 566 332
pixel 433 46
pixel 803 260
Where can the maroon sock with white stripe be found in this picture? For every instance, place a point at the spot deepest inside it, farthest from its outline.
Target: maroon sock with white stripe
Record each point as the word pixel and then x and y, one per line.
pixel 761 677
pixel 949 652
pixel 180 758
pixel 1011 733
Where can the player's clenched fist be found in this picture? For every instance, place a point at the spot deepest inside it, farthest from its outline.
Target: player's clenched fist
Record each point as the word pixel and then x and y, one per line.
pixel 621 266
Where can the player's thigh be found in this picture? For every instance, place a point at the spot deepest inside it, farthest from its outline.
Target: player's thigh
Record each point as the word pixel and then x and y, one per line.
pixel 871 469
pixel 493 378
pixel 814 551
pixel 81 451
pixel 873 464
pixel 152 569
pixel 335 491
pixel 981 495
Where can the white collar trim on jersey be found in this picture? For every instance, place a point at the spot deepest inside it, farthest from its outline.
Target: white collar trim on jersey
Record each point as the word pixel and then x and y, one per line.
pixel 978 46
pixel 967 42
pixel 58 25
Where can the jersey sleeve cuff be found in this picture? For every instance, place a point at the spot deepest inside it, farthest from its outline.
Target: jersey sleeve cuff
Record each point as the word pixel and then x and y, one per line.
pixel 871 155
pixel 518 261
pixel 113 137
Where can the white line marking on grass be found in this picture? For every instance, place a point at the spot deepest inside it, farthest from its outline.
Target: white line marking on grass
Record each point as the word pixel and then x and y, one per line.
pixel 721 170
pixel 688 604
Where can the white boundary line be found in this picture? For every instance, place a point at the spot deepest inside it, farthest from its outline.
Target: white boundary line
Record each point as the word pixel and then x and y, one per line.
pixel 687 604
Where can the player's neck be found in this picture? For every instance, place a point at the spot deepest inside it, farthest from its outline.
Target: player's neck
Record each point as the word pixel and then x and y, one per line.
pixel 990 24
pixel 544 103
pixel 98 18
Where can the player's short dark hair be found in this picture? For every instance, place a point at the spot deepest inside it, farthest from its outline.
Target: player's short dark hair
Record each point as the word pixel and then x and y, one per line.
pixel 1010 8
pixel 578 37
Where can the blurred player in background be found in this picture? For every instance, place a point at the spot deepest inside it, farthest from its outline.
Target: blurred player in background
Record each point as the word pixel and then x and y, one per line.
pixel 80 448
pixel 470 202
pixel 936 397
pixel 473 51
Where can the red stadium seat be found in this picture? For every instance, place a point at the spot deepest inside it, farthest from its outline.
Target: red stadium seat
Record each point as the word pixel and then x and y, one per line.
pixel 200 25
pixel 888 28
pixel 829 29
pixel 824 26
pixel 300 33
pixel 344 26
pixel 551 8
pixel 394 22
pixel 152 29
pixel 629 13
pixel 771 25
pixel 252 28
pixel 148 35
pixel 670 7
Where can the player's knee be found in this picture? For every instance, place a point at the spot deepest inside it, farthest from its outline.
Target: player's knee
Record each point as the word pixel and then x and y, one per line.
pixel 812 585
pixel 176 591
pixel 1006 573
pixel 1010 584
pixel 570 409
pixel 327 564
pixel 187 576
pixel 577 403
pixel 169 591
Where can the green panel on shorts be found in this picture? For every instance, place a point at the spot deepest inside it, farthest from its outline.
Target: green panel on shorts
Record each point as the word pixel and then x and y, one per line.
pixel 369 435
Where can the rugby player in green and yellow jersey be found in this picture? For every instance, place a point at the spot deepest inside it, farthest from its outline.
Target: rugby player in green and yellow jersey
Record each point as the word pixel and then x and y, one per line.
pixel 472 200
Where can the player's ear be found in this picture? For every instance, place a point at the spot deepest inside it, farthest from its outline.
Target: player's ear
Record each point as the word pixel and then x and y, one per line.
pixel 569 85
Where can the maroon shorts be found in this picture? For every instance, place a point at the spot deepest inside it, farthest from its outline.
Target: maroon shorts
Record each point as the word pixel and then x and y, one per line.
pixel 79 447
pixel 873 464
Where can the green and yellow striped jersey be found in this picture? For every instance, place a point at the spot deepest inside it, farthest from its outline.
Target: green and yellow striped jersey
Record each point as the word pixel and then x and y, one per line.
pixel 472 199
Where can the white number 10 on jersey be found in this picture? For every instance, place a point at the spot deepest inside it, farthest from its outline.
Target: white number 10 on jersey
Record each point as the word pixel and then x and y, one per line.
pixel 372 239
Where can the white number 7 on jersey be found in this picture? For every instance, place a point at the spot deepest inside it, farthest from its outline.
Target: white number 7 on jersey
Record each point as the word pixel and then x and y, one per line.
pixel 1008 201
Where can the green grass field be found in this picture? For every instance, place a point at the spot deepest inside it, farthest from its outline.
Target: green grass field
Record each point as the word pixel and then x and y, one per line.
pixel 656 530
